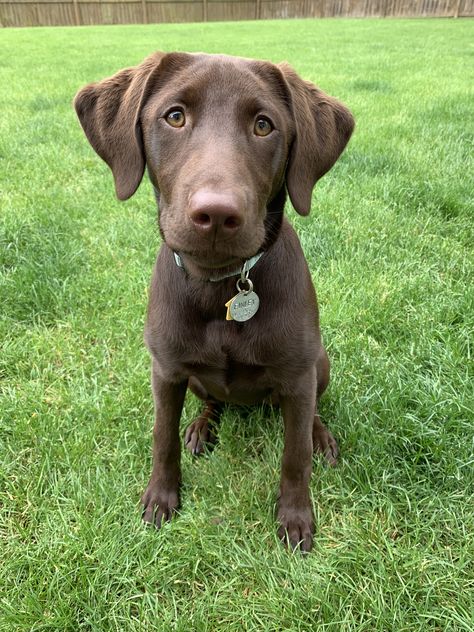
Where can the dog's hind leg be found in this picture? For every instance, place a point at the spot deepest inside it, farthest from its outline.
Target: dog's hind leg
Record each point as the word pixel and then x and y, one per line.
pixel 202 432
pixel 323 369
pixel 323 440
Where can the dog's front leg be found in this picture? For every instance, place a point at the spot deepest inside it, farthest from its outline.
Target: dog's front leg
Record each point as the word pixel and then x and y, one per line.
pixel 295 513
pixel 161 497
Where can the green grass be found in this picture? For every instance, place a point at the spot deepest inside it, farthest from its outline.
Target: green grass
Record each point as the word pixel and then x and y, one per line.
pixel 390 245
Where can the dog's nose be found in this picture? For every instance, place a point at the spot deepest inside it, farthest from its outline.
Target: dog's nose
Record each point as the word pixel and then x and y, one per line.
pixel 212 211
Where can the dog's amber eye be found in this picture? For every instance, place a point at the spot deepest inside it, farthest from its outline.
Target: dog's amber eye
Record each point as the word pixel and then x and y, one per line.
pixel 262 127
pixel 176 118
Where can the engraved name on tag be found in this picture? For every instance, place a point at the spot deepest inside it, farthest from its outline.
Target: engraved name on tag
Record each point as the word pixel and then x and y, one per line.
pixel 244 306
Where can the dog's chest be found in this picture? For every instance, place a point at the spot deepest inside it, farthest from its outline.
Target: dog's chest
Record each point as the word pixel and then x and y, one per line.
pixel 224 348
pixel 228 364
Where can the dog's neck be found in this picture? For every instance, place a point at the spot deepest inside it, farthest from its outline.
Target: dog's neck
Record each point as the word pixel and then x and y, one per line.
pixel 274 218
pixel 247 266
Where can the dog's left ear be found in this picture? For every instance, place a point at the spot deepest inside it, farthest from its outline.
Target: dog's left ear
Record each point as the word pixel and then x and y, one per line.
pixel 323 127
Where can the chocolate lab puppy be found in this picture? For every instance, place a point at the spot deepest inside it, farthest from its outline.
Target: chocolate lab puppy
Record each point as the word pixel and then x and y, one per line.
pixel 232 313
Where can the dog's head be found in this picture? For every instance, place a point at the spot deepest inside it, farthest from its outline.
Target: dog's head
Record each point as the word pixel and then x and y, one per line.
pixel 222 138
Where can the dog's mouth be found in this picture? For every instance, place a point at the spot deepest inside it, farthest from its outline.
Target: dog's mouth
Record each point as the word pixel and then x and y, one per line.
pixel 206 267
pixel 211 256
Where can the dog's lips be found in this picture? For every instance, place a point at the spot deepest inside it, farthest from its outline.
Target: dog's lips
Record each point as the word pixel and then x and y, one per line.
pixel 206 267
pixel 213 259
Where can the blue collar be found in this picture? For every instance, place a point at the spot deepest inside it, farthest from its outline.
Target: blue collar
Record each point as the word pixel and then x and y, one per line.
pixel 248 265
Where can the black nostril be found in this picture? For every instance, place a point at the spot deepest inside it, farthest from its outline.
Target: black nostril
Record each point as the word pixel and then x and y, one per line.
pixel 232 222
pixel 202 219
pixel 208 220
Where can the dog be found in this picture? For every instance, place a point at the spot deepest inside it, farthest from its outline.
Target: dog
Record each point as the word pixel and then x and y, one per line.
pixel 232 311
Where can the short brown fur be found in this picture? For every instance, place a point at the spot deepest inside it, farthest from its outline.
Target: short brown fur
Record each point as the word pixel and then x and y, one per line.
pixel 221 189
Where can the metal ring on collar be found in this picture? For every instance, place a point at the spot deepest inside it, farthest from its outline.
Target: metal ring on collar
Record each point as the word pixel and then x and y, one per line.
pixel 250 285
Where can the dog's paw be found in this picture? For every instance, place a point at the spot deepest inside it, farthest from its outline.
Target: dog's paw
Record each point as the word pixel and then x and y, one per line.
pixel 159 505
pixel 296 526
pixel 200 434
pixel 324 443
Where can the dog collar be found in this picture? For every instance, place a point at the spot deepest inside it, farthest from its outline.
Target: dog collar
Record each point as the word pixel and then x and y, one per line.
pixel 248 265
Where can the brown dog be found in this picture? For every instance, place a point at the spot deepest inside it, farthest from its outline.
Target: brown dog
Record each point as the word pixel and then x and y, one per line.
pixel 223 139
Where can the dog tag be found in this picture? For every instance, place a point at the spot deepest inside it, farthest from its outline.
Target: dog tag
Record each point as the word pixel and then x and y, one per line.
pixel 242 306
pixel 228 304
pixel 245 304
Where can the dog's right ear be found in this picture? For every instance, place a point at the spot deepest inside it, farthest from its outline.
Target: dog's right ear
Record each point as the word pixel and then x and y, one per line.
pixel 109 114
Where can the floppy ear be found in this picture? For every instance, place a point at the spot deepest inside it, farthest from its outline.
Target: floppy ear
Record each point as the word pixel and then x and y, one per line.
pixel 108 112
pixel 323 127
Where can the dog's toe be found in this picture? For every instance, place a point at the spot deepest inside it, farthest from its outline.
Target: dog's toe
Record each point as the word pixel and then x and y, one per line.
pixel 199 436
pixel 324 442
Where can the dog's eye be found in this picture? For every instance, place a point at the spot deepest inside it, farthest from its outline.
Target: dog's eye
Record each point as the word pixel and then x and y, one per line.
pixel 176 118
pixel 262 127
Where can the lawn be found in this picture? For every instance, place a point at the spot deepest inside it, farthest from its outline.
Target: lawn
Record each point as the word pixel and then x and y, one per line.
pixel 390 246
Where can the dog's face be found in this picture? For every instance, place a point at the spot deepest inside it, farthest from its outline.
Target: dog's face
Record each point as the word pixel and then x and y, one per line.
pixel 221 138
pixel 216 141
